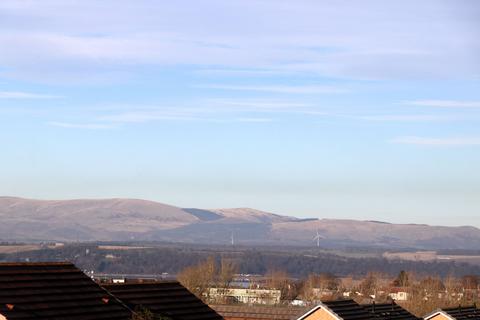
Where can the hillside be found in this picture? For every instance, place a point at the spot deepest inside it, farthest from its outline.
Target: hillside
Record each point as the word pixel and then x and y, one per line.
pixel 133 219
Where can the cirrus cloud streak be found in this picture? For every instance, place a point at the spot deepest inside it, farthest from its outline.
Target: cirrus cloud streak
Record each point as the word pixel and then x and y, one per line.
pixel 428 141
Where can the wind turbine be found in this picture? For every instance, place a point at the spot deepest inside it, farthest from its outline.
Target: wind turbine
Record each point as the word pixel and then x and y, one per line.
pixel 233 240
pixel 317 237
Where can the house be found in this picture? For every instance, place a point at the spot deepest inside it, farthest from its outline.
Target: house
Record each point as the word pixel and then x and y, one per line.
pixel 298 302
pixel 323 293
pixel 242 312
pixel 398 294
pixel 164 298
pixel 337 310
pixel 248 296
pixel 55 291
pixel 458 313
pixel 389 311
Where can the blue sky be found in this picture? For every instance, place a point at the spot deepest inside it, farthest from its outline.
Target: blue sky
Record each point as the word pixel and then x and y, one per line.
pixel 330 109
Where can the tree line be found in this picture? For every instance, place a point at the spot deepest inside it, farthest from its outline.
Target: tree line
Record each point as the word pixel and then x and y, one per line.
pixel 253 261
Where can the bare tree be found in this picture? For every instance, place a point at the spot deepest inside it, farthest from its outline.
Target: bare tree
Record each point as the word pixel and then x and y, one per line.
pixel 402 279
pixel 199 278
pixel 426 295
pixel 316 286
pixel 470 282
pixel 141 313
pixel 226 274
pixel 368 286
pixel 453 289
pixel 279 280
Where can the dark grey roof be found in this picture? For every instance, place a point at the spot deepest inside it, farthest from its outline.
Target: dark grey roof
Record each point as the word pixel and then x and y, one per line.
pixel 389 311
pixel 463 313
pixel 166 298
pixel 259 312
pixel 54 291
pixel 348 310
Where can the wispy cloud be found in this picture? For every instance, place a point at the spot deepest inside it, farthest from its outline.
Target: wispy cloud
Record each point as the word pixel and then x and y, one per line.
pixel 149 116
pixel 304 89
pixel 259 72
pixel 445 103
pixel 255 104
pixel 91 126
pixel 26 95
pixel 254 120
pixel 333 39
pixel 415 140
pixel 112 117
pixel 210 110
pixel 142 116
pixel 408 118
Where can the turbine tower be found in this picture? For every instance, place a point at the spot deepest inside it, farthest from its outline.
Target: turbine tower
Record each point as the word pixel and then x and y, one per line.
pixel 233 240
pixel 317 237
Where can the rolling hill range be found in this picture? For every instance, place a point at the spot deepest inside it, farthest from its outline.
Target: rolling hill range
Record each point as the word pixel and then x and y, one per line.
pixel 133 219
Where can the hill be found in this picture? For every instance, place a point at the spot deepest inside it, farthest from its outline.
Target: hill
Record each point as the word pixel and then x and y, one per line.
pixel 133 219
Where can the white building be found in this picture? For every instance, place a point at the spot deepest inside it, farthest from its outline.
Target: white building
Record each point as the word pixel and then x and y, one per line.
pixel 249 296
pixel 399 295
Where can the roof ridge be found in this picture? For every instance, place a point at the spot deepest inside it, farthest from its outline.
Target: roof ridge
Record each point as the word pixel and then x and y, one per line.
pixel 141 283
pixel 59 263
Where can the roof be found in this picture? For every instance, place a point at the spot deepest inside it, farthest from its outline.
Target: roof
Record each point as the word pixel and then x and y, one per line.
pixel 342 309
pixel 389 311
pixel 348 309
pixel 54 291
pixel 459 313
pixel 259 312
pixel 166 298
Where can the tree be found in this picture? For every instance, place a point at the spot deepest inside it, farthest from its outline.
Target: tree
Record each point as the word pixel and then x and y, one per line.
pixel 141 313
pixel 279 280
pixel 427 295
pixel 470 282
pixel 432 285
pixel 316 285
pixel 402 280
pixel 224 277
pixel 199 278
pixel 228 269
pixel 453 289
pixel 368 286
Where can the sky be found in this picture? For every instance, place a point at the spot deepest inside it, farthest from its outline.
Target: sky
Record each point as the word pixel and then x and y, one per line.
pixel 333 109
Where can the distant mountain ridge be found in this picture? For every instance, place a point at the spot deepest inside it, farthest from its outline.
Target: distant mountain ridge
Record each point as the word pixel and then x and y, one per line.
pixel 134 219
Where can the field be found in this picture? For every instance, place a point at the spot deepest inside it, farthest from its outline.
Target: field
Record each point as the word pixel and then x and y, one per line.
pixel 429 256
pixel 111 247
pixel 8 249
pixel 467 259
